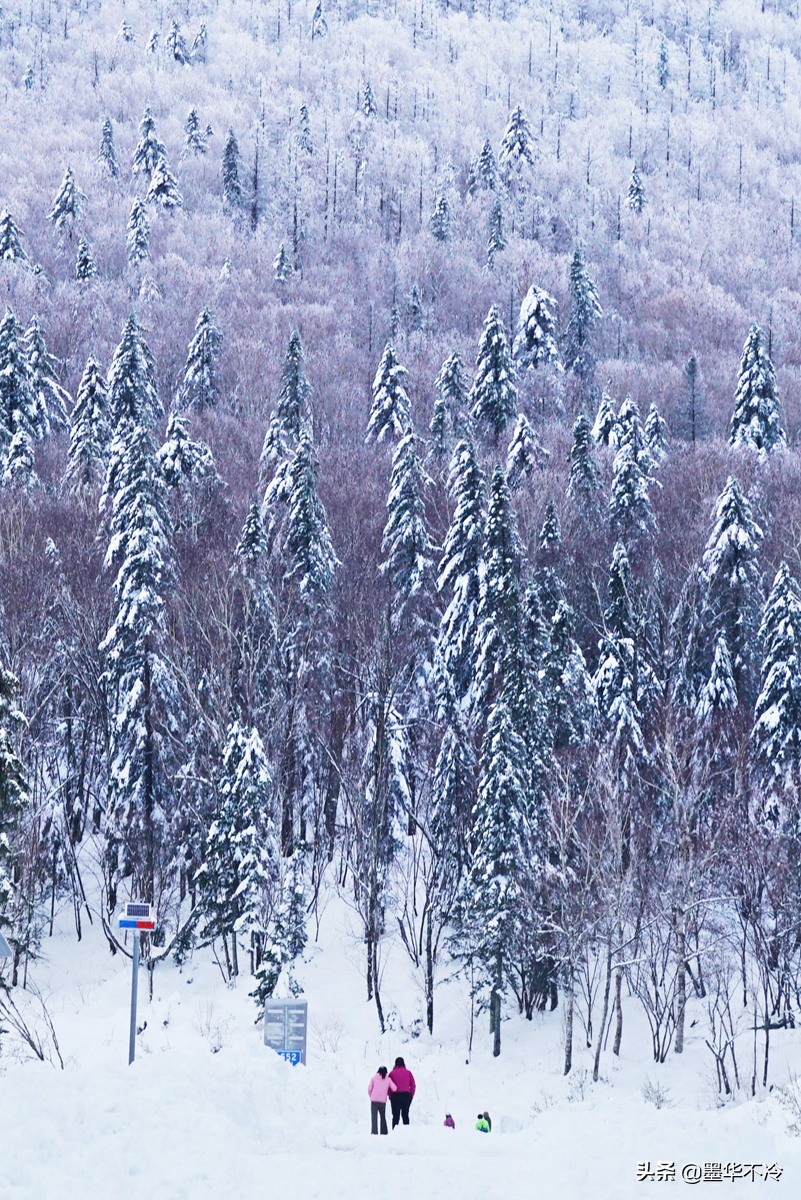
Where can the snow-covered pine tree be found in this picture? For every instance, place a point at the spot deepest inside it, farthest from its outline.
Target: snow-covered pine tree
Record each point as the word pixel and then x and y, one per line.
pixel 755 423
pixel 663 63
pixel 200 43
pixel 414 309
pixel 253 681
pixel 138 233
pixel 496 239
pixel 231 184
pixel 486 168
pixel 583 485
pixel 777 715
pixel 319 26
pixel 195 142
pixel 498 620
pixel 731 581
pixel 175 44
pixel 493 906
pixel 390 415
pixel 240 874
pixel 126 34
pixel 14 793
pixel 450 406
pixel 656 435
pixel 153 42
pixel 460 567
pixel 90 433
pixel 441 219
pixel 11 247
pixel 566 683
pixel 18 407
pixel 517 144
pixel 494 394
pixel 694 422
pixel 19 466
pixel 635 196
pixel 536 343
pixel 149 150
pixel 406 544
pixel 133 396
pixel 139 676
pixel 718 695
pixel 368 103
pixel 85 265
pixel 282 266
pixel 303 138
pixel 525 453
pixel 605 429
pixel 67 205
pixel 585 312
pixel 198 390
pixel 630 504
pixel 163 188
pixel 107 155
pixel 308 552
pixel 294 394
pixel 52 401
pixel 184 463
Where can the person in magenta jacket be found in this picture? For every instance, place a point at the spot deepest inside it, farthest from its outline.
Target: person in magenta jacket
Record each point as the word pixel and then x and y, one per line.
pixel 379 1087
pixel 401 1099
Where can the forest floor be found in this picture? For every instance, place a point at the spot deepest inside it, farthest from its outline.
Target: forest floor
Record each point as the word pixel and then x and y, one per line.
pixel 207 1111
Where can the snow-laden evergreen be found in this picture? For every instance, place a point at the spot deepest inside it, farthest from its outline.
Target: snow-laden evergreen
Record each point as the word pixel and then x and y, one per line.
pixel 777 713
pixel 199 387
pixel 585 313
pixel 11 247
pixel 390 415
pixel 630 503
pixel 149 149
pixel 450 406
pixel 525 454
pixel 536 343
pixel 107 154
pixel 14 798
pixel 755 422
pixel 583 485
pixel 52 401
pixel 406 543
pixel 459 576
pixel 494 391
pixel 229 171
pixel 68 204
pixel 90 433
pixel 138 233
pixel 163 188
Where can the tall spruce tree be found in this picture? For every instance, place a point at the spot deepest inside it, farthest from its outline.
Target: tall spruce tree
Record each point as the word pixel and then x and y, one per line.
pixel 494 394
pixel 90 433
pixel 450 406
pixel 496 238
pixel 407 542
pixel 149 150
pixel 14 795
pixel 198 388
pixel 163 187
pixel 390 415
pixel 535 343
pixel 583 485
pixel 308 551
pixel 630 504
pixel 585 313
pixel 777 714
pixel 18 406
pixel 195 141
pixel 231 184
pixel 175 44
pixel 294 393
pixel 67 205
pixel 52 401
pixel 11 247
pixel 525 453
pixel 85 265
pixel 441 219
pixel 635 196
pixel 499 610
pixel 138 234
pixel 755 423
pixel 460 567
pixel 107 155
pixel 517 144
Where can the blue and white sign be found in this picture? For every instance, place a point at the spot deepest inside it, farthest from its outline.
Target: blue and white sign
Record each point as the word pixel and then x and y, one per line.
pixel 285 1028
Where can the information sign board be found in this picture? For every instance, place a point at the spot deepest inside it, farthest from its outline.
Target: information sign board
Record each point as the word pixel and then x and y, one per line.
pixel 285 1026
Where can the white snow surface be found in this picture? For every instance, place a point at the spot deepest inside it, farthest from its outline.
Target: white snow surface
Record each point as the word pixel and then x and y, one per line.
pixel 207 1111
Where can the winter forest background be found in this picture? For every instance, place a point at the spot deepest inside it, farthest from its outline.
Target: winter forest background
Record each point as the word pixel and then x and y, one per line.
pixel 400 496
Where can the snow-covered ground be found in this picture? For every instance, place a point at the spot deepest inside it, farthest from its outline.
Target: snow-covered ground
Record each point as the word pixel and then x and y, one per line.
pixel 208 1112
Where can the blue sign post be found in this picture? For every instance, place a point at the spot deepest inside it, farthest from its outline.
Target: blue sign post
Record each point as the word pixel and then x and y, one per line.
pixel 136 917
pixel 285 1024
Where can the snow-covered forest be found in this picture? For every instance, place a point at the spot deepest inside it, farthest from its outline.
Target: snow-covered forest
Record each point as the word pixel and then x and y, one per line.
pixel 400 501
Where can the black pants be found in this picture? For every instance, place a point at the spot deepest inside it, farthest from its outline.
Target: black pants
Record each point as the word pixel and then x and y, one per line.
pixel 400 1102
pixel 378 1109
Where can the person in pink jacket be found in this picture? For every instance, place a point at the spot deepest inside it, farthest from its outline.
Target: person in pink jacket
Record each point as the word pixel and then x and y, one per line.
pixel 401 1099
pixel 379 1088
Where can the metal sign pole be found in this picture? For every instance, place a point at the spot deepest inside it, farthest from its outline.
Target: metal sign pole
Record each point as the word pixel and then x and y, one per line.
pixel 134 988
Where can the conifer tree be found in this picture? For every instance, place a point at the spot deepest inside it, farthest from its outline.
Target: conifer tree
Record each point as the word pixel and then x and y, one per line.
pixel 656 435
pixel 107 155
pixel 525 453
pixel 200 44
pixel 126 33
pixel 90 433
pixel 605 429
pixel 18 407
pixel 460 567
pixel 52 401
pixel 415 309
pixel 282 266
pixel 308 552
pixel 195 141
pixel 138 235
pixel 407 543
pixel 693 401
pixel 635 197
pixel 583 485
pixel 14 793
pixel 19 467
pixel 441 219
pixel 718 694
pixel 149 150
pixel 153 42
pixel 294 395
pixel 85 265
pixel 133 396
pixel 517 144
pixel 566 682
pixel 390 415
pixel 303 138
pixel 163 188
pixel 198 389
pixel 253 682
pixel 232 187
pixel 496 240
pixel 777 715
pixel 368 104
pixel 755 422
pixel 535 343
pixel 630 503
pixel 486 168
pixel 175 44
pixel 11 248
pixel 499 610
pixel 319 27
pixel 139 677
pixel 450 406
pixel 184 463
pixel 494 394
pixel 68 204
pixel 585 312
pixel 730 576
